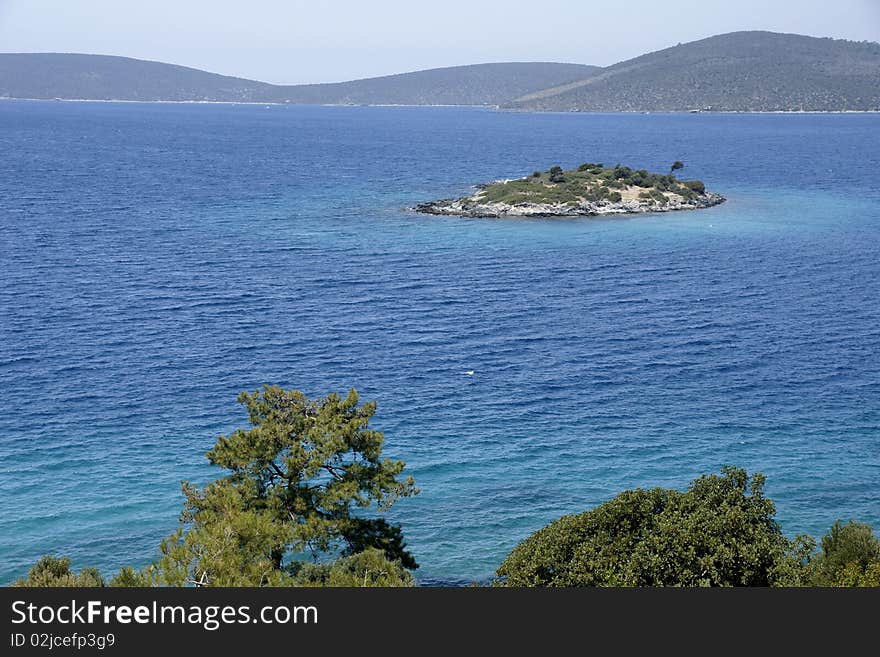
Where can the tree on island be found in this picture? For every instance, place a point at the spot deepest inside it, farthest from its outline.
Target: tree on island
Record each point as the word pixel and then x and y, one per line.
pixel 556 175
pixel 676 166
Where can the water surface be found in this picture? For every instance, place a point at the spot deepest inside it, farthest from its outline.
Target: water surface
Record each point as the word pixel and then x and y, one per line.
pixel 158 259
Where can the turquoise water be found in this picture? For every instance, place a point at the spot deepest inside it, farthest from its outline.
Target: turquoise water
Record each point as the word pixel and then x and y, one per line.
pixel 158 259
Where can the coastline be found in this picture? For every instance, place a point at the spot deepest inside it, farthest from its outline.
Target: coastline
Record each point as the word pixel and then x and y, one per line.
pixel 495 108
pixel 475 207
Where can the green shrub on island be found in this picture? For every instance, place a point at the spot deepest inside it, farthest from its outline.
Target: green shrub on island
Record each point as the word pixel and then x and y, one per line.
pixel 695 186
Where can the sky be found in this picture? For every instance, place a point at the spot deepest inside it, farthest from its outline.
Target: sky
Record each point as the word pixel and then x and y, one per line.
pixel 289 41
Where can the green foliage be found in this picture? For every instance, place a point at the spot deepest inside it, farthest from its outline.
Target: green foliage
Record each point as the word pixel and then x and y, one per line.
pixel 695 185
pixel 678 164
pixel 654 196
pixel 55 571
pixel 659 196
pixel 368 568
pixel 300 480
pixel 588 183
pixel 128 577
pixel 850 556
pixel 854 575
pixel 720 532
pixel 556 175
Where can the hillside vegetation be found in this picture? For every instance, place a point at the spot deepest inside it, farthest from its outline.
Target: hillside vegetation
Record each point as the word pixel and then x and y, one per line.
pixel 480 84
pixel 99 77
pixel 591 182
pixel 741 71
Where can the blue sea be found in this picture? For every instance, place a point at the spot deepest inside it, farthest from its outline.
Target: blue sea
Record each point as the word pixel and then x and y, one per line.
pixel 158 259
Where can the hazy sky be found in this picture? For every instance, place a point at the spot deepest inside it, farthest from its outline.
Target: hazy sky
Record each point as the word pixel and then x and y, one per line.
pixel 290 41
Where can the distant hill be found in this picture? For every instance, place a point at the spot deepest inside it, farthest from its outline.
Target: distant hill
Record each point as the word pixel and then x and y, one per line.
pixel 101 77
pixel 478 84
pixel 740 71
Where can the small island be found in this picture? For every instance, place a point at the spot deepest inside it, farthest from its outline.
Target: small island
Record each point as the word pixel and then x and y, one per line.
pixel 589 190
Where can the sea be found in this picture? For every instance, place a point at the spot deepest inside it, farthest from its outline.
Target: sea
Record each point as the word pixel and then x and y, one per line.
pixel 158 259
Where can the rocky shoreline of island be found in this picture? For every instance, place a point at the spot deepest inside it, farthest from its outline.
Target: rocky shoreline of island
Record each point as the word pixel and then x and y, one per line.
pixel 473 207
pixel 589 190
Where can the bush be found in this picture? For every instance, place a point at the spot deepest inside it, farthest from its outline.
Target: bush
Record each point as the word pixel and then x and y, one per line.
pixel 695 185
pixel 367 568
pixel 556 175
pixel 720 532
pixel 621 173
pixel 850 555
pixel 536 174
pixel 54 571
pixel 687 193
pixel 853 575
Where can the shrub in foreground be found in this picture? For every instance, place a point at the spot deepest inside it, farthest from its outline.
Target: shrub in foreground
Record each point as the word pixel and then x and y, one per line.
pixel 55 571
pixel 720 532
pixel 849 556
